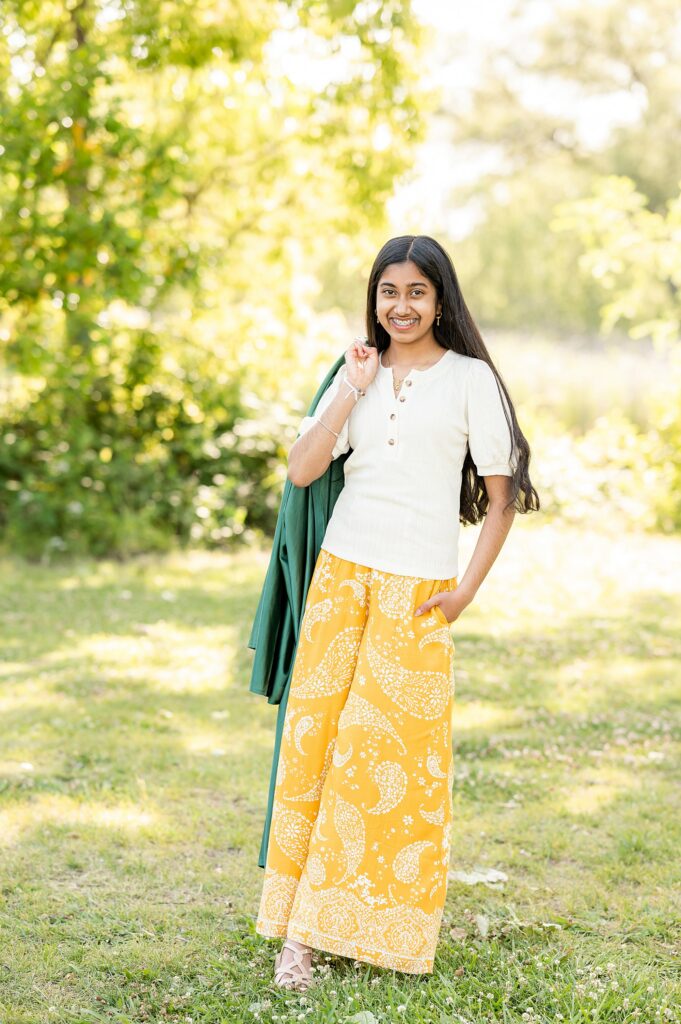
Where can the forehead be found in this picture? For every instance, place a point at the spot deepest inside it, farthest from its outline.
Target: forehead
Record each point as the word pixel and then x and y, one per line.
pixel 403 274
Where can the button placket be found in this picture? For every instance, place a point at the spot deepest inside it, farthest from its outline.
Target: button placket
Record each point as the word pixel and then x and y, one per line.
pixel 401 397
pixel 393 428
pixel 391 410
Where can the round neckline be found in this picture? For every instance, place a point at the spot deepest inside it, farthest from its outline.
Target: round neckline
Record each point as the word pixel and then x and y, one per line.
pixel 422 373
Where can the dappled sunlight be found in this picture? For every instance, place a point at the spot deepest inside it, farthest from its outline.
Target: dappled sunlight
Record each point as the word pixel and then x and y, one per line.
pixel 214 743
pixel 74 582
pixel 180 570
pixel 167 575
pixel 58 809
pixel 562 730
pixel 16 769
pixel 592 789
pixel 9 669
pixel 573 571
pixel 206 741
pixel 477 715
pixel 166 658
pixel 130 818
pixel 37 699
pixel 581 685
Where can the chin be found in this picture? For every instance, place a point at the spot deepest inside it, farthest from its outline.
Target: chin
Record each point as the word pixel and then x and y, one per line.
pixel 407 339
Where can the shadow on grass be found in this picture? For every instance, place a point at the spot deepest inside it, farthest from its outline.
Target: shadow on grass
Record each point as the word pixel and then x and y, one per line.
pixel 133 855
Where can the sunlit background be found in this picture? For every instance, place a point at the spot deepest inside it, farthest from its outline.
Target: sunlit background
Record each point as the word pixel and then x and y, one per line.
pixel 192 197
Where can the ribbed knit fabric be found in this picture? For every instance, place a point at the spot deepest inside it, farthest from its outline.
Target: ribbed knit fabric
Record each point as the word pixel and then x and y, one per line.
pixel 399 508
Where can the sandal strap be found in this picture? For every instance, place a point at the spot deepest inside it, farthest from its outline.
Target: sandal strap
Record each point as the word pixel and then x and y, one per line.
pixel 297 958
pixel 296 962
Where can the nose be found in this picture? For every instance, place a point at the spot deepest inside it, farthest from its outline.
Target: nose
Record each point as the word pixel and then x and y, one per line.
pixel 401 307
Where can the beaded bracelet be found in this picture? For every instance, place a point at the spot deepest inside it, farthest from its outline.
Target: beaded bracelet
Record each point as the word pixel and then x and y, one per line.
pixel 359 393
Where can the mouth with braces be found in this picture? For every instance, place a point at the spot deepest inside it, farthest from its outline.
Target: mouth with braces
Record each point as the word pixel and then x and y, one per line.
pixel 403 324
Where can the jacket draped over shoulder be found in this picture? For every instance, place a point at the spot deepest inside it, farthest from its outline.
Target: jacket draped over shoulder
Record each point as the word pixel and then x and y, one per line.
pixel 303 516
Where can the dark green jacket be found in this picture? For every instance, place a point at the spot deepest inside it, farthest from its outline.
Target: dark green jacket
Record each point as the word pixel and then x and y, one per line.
pixel 303 516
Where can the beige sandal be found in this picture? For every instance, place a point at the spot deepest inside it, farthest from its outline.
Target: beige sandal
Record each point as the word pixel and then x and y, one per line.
pixel 285 976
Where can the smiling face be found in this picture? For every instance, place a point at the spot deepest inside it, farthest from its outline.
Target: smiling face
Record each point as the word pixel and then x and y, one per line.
pixel 406 303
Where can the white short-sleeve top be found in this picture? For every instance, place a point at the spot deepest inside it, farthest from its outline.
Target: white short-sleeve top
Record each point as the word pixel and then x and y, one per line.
pixel 399 508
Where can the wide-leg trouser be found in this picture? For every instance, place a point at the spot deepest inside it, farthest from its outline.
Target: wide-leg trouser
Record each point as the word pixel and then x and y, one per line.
pixel 360 837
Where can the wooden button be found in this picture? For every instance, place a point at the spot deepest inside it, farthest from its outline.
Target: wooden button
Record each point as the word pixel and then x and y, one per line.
pixel 391 440
pixel 393 415
pixel 408 383
pixel 402 398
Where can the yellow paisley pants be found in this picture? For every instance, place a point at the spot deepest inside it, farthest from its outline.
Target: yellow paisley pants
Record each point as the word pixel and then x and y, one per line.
pixel 359 844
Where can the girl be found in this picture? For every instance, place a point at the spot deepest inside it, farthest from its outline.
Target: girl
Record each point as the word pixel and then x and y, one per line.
pixel 359 848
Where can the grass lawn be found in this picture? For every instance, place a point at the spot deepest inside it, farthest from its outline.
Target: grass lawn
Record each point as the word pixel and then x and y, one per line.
pixel 134 766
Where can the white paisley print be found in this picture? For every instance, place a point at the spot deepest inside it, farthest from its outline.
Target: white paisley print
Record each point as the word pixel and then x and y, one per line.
pixel 359 845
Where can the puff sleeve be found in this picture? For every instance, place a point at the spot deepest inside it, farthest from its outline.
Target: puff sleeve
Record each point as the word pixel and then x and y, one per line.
pixel 342 444
pixel 489 437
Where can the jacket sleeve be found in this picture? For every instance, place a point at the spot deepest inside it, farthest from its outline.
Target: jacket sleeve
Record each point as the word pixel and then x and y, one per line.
pixel 342 444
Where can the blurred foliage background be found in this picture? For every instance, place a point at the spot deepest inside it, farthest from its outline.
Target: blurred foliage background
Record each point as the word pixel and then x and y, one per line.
pixel 191 199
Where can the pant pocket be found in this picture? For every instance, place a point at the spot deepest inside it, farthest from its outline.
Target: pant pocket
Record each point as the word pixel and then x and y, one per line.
pixel 441 615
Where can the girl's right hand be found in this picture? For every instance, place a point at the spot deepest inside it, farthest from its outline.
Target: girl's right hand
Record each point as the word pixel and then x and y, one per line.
pixel 361 363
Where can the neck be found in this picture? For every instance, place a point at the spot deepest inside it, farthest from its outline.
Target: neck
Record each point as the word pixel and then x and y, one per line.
pixel 401 355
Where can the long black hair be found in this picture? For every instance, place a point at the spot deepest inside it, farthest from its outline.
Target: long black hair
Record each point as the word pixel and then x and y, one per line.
pixel 456 331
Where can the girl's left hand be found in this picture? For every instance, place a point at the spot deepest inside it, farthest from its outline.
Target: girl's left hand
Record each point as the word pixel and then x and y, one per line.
pixel 451 602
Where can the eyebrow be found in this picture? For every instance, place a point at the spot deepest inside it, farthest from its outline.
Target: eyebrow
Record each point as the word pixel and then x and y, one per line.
pixel 412 284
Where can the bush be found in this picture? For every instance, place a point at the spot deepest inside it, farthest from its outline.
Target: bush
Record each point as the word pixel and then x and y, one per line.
pixel 117 463
pixel 613 471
